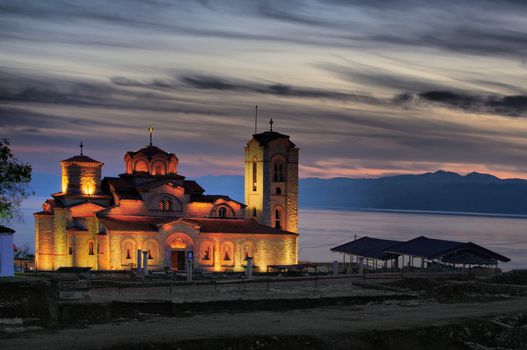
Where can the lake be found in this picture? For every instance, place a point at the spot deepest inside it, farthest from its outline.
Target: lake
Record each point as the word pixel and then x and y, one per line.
pixel 321 230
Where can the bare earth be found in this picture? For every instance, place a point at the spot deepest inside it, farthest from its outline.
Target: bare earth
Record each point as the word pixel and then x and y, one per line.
pixel 313 322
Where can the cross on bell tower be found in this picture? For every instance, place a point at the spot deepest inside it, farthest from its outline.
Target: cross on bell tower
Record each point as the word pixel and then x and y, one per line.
pixel 150 130
pixel 81 146
pixel 271 123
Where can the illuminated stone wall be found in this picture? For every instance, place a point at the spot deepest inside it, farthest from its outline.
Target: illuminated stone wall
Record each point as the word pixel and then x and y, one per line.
pixel 108 250
pixel 103 254
pixel 141 240
pixel 44 242
pixel 254 199
pixel 269 249
pixel 81 178
pixel 292 191
pixel 60 241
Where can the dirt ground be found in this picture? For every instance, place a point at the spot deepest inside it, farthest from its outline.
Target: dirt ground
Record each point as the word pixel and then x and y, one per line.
pixel 246 291
pixel 314 323
pixel 324 314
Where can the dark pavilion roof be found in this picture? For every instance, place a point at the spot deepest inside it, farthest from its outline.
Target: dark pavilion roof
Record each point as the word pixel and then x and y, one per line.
pixel 209 225
pixel 150 151
pixel 425 247
pixel 4 229
pixel 81 159
pixel 431 248
pixel 368 247
pixel 267 136
pixel 428 248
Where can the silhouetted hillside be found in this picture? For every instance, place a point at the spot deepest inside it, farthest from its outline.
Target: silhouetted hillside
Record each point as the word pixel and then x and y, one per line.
pixel 439 191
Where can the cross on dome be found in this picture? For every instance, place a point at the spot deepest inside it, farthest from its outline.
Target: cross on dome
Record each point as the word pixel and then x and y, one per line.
pixel 150 130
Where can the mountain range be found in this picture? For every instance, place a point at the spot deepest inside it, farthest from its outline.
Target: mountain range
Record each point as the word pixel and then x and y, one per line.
pixel 437 191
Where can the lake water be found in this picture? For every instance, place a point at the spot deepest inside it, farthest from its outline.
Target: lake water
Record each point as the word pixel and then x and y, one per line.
pixel 321 230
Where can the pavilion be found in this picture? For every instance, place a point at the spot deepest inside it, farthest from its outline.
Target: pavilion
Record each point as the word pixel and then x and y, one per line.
pixel 422 249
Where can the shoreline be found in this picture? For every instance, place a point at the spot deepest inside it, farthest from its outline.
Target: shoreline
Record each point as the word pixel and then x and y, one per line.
pixel 423 212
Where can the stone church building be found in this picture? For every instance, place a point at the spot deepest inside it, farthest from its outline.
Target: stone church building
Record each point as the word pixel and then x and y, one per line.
pixel 105 223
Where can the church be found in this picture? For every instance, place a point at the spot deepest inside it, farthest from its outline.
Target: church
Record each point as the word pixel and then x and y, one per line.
pixel 153 211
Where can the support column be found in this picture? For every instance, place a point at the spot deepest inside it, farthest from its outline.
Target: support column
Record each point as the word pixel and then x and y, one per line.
pixel 145 263
pixel 249 270
pixel 139 259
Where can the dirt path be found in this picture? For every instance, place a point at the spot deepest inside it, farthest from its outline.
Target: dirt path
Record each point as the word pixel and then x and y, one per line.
pixel 314 322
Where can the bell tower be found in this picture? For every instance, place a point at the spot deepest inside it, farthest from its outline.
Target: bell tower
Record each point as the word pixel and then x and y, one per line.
pixel 271 180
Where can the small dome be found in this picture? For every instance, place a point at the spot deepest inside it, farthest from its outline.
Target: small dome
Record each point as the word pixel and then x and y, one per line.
pixel 151 160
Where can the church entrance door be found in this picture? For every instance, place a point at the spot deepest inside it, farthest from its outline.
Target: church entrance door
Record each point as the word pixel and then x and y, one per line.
pixel 178 260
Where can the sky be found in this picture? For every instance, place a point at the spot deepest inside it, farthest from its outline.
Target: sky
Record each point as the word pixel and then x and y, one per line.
pixel 365 88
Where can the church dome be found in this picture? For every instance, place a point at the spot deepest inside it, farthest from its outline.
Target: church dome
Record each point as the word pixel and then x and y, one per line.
pixel 151 160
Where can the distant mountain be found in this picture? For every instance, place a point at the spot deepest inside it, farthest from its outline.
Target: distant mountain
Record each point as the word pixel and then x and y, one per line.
pixel 438 191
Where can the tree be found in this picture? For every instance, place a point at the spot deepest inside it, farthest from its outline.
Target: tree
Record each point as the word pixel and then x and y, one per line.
pixel 15 177
pixel 24 252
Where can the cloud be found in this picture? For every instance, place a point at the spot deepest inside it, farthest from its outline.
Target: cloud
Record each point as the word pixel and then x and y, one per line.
pixel 212 82
pixel 277 89
pixel 473 27
pixel 514 105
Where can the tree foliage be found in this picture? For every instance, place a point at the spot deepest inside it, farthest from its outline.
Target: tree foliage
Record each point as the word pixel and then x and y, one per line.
pixel 24 252
pixel 15 177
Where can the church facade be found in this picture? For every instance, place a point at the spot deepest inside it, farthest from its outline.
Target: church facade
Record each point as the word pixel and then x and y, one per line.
pixel 153 211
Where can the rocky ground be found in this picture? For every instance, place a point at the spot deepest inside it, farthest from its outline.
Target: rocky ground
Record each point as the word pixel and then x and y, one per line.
pixel 323 314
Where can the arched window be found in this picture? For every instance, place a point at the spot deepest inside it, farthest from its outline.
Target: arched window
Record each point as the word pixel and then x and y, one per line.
pixel 278 190
pixel 278 175
pixel 254 212
pixel 227 254
pixel 255 177
pixel 90 248
pixel 166 205
pixel 159 168
pixel 141 166
pixel 152 248
pixel 277 217
pixel 222 212
pixel 128 252
pixel 207 253
pixel 248 250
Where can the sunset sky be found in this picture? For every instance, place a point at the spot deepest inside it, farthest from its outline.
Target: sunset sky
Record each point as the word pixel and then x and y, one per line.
pixel 367 89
